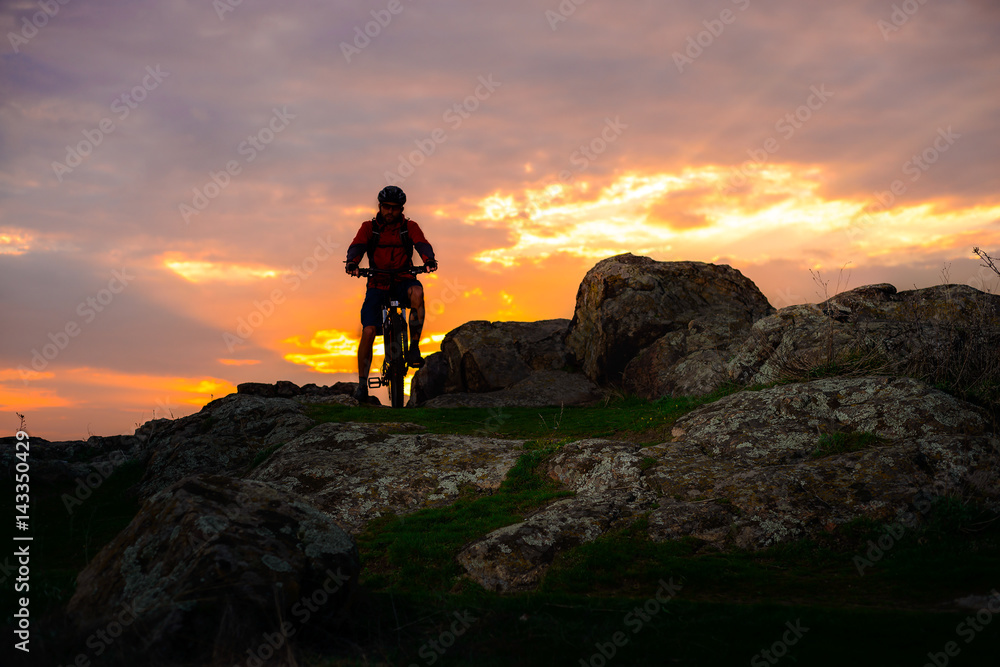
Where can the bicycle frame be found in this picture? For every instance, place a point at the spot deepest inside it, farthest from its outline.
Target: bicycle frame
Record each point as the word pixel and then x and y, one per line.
pixel 395 339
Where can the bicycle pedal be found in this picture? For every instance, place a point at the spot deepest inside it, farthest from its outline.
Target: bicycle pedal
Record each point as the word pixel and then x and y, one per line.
pixel 375 383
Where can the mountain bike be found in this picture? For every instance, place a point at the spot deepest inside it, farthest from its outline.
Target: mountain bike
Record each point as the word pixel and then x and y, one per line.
pixel 395 336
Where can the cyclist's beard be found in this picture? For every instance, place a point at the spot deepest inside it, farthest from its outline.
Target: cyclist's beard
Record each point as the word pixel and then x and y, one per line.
pixel 382 222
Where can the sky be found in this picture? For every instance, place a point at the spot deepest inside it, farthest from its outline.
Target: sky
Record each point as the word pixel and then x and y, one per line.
pixel 180 180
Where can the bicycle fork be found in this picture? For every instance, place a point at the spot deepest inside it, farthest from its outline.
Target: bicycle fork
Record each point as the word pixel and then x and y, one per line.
pixel 387 345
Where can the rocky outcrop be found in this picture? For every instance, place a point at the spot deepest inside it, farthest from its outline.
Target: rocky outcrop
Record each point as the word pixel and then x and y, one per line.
pixel 626 304
pixel 539 389
pixel 491 364
pixel 66 461
pixel 208 569
pixel 357 472
pixel 931 332
pixel 606 478
pixel 753 469
pixel 222 438
pixel 778 462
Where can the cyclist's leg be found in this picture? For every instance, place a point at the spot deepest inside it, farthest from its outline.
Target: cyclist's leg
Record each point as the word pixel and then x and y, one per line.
pixel 416 294
pixel 365 354
pixel 371 314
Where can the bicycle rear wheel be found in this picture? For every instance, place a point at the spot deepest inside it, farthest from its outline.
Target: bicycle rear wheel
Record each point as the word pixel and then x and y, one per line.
pixel 397 360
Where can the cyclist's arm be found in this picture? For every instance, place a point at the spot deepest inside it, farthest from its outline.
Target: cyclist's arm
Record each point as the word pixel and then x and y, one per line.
pixel 359 245
pixel 420 243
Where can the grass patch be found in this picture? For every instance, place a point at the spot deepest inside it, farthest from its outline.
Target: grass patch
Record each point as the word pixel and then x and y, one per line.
pixel 952 553
pixel 417 552
pixel 264 454
pixel 841 443
pixel 628 417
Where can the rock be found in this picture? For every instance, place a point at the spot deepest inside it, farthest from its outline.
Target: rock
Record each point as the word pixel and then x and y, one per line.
pixel 286 389
pixel 607 479
pixel 429 381
pixel 85 463
pixel 744 472
pixel 516 557
pixel 755 455
pixel 480 356
pixel 209 568
pixel 936 333
pixel 328 399
pixel 541 388
pixel 357 472
pixel 627 303
pixel 222 438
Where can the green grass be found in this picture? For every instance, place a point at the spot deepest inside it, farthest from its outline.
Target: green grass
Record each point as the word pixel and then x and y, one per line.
pixel 625 417
pixel 842 443
pixel 417 552
pixel 731 605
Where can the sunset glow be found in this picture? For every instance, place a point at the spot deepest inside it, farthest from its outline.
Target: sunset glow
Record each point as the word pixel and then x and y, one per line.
pixel 180 187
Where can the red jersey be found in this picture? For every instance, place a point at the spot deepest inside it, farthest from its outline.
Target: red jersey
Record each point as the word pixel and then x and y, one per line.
pixel 389 253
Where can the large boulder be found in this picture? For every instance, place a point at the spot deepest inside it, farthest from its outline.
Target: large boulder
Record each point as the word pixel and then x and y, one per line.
pixel 796 460
pixel 482 356
pixel 223 437
pixel 210 569
pixel 358 472
pixel 943 333
pixel 627 303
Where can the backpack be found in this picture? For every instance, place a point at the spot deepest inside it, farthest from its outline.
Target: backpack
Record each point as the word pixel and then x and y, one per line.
pixel 404 235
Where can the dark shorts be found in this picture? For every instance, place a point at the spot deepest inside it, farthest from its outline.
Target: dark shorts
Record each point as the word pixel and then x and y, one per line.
pixel 371 309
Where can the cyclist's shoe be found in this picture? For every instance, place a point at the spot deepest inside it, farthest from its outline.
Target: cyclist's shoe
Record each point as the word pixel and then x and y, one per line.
pixel 413 358
pixel 361 393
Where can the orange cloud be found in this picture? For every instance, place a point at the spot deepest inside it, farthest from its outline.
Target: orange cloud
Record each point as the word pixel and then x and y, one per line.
pixel 202 271
pixel 15 241
pixel 697 214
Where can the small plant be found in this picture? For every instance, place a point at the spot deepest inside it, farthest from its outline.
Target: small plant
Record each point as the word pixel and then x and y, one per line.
pixel 647 463
pixel 842 443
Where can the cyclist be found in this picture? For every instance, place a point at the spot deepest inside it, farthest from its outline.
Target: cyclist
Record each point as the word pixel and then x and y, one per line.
pixel 389 240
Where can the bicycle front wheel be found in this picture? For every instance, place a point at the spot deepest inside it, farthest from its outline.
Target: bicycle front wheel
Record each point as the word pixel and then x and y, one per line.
pixel 397 360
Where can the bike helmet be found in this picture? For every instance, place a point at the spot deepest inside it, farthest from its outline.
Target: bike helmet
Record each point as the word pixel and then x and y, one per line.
pixel 392 194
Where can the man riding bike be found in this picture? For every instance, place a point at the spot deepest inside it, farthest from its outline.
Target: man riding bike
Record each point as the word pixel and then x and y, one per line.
pixel 389 240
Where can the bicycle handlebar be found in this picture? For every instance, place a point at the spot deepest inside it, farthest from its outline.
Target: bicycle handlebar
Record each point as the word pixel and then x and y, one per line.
pixel 368 272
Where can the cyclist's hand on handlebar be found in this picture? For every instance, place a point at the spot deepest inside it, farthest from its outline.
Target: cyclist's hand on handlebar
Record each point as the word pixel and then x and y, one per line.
pixel 352 268
pixel 431 265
